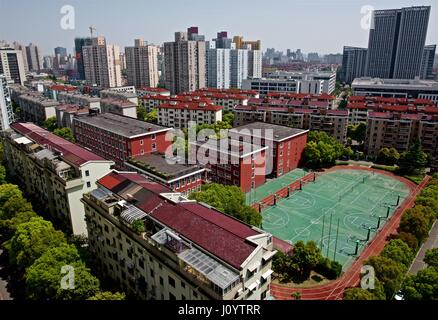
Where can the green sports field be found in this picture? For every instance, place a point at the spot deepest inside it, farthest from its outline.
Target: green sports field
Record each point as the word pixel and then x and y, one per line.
pixel 273 185
pixel 352 199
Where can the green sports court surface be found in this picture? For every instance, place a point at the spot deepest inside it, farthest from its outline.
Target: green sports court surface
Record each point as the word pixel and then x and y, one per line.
pixel 352 199
pixel 273 185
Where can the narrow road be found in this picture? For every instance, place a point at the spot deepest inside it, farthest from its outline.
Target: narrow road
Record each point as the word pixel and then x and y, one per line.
pixel 4 294
pixel 431 242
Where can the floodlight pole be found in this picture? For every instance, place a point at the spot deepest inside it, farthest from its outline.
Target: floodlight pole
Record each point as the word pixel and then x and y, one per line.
pixel 369 234
pixel 398 200
pixel 322 234
pixel 330 229
pixel 378 223
pixel 357 248
pixel 336 242
pixel 387 212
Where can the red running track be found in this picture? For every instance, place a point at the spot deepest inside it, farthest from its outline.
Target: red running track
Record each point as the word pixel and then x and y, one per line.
pixel 334 290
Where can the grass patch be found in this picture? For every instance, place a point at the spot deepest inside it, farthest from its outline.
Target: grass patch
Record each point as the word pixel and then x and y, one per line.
pixel 393 169
pixel 415 178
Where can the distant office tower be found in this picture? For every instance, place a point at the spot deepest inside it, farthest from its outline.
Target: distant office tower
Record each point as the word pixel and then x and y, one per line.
pixel 12 65
pixel 193 34
pixel 79 43
pixel 48 62
pixel 313 57
pixel 185 62
pixel 238 67
pixel 102 64
pixel 427 62
pixel 22 48
pixel 396 42
pixel 34 57
pixel 142 64
pixel 6 111
pixel 255 58
pixel 218 68
pixel 353 63
pixel 61 51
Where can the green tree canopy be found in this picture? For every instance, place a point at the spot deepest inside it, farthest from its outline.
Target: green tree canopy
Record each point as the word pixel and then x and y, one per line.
pixel 414 160
pixel 388 157
pixel 31 240
pixel 306 256
pixel 422 286
pixel 152 116
pixel 357 132
pixel 431 258
pixel 358 294
pixel 43 277
pixel 50 124
pixel 389 272
pixel 398 251
pixel 323 150
pixel 65 133
pixel 417 221
pixel 2 174
pixel 106 295
pixel 228 199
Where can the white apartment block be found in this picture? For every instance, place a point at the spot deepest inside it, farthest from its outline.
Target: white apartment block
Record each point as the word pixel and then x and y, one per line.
pixel 102 64
pixel 12 65
pixel 142 64
pixel 36 108
pixel 54 172
pixel 79 99
pixel 121 107
pixel 6 110
pixel 255 58
pixel 177 114
pixel 238 67
pixel 218 68
pixel 216 258
pixel 123 93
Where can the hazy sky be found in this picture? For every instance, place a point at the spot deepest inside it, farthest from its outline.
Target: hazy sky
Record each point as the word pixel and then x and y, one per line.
pixel 323 26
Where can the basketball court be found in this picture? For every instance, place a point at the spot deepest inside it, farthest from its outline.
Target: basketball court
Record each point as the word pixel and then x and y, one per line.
pixel 341 211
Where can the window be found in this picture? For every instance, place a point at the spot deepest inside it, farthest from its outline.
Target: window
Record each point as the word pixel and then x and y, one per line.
pixel 87 173
pixel 88 184
pixel 141 142
pixel 153 136
pixel 171 296
pixel 171 281
pixel 154 146
pixel 161 281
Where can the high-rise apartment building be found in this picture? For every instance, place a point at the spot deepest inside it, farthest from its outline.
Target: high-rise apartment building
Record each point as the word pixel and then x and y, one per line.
pixel 242 44
pixel 239 67
pixel 142 64
pixel 19 46
pixel 12 65
pixel 218 68
pixel 79 43
pixel 353 63
pixel 396 42
pixel 427 61
pixel 102 64
pixel 34 57
pixel 185 61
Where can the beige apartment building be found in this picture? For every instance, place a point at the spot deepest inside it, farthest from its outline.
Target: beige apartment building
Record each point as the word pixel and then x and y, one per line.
pixel 36 108
pixel 142 64
pixel 54 172
pixel 184 250
pixel 177 114
pixel 185 62
pixel 399 131
pixel 102 63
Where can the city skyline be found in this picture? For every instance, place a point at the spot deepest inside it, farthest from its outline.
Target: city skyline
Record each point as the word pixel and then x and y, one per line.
pixel 143 20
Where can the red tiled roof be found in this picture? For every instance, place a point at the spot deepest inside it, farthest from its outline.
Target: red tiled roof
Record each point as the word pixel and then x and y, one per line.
pixel 60 87
pixel 192 105
pixel 70 152
pixel 213 231
pixel 154 89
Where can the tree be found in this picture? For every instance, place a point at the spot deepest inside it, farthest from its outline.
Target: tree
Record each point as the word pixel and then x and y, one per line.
pixel 44 276
pixel 417 221
pixel 409 239
pixel 106 295
pixel 8 191
pixel 14 205
pixel 152 116
pixel 414 160
pixel 389 272
pixel 138 226
pixel 65 133
pixel 358 294
pixel 2 174
pixel 398 251
pixel 228 199
pixel 228 118
pixel 141 112
pixel 388 156
pixel 357 132
pixel 431 258
pixel 306 256
pixel 31 240
pixel 50 124
pixel 422 286
pixel 12 223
